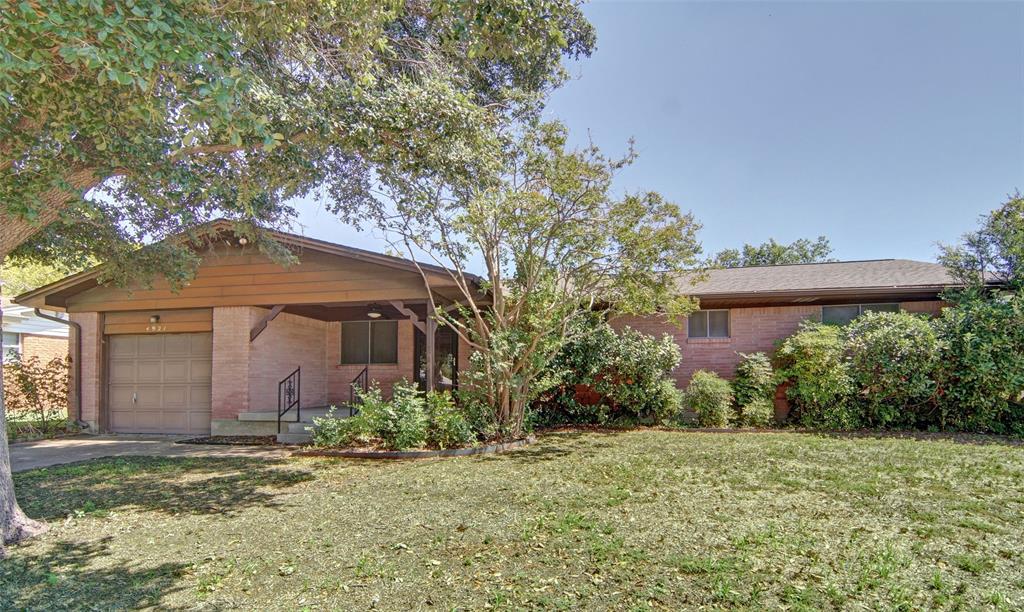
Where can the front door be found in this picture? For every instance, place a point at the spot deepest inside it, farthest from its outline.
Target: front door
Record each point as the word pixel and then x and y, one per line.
pixel 446 359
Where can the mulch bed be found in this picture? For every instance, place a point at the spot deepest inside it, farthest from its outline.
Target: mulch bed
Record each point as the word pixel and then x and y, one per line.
pixel 371 453
pixel 232 440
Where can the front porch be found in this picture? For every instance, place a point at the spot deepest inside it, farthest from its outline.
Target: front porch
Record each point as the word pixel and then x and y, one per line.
pixel 275 368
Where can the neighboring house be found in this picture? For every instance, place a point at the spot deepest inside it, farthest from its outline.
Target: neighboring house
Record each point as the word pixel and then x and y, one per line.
pixel 218 356
pixel 30 335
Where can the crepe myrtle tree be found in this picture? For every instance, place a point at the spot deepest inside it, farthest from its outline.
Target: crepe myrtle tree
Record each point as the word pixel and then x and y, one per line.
pixel 123 122
pixel 554 241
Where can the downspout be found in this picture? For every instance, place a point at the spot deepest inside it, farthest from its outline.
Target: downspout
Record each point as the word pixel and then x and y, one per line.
pixel 76 359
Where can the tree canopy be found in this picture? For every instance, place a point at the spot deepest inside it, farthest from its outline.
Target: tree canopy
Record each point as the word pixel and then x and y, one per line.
pixel 555 243
pixel 773 253
pixel 994 253
pixel 123 122
pixel 20 275
pixel 170 113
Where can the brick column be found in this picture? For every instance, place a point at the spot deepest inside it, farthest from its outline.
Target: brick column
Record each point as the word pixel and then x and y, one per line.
pixel 231 348
pixel 92 366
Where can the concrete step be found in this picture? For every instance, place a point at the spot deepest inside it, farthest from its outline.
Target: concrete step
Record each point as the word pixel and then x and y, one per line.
pixel 307 414
pixel 300 428
pixel 294 438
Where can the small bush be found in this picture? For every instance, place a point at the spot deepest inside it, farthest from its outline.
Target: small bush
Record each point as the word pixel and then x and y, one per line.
pixel 330 431
pixel 892 359
pixel 400 423
pixel 754 379
pixel 447 426
pixel 409 420
pixel 36 394
pixel 758 412
pixel 711 398
pixel 813 360
pixel 668 401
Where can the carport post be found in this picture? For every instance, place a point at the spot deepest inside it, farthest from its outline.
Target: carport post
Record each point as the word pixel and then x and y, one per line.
pixel 431 332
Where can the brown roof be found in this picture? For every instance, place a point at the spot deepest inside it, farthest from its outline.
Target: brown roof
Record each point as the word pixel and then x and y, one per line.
pixel 877 274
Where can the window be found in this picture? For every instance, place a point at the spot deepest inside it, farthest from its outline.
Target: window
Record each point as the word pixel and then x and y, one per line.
pixel 841 315
pixel 11 343
pixel 708 324
pixel 365 342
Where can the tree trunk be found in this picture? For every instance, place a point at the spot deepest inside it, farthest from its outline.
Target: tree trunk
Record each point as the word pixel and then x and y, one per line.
pixel 14 525
pixel 16 230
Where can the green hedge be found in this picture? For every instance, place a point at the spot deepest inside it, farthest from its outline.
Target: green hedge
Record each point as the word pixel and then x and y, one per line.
pixel 962 371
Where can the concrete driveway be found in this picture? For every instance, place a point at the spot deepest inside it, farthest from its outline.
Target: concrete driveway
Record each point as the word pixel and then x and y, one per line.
pixel 44 453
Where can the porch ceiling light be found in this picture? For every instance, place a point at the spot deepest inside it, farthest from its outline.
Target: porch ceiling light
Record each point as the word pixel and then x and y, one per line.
pixel 374 312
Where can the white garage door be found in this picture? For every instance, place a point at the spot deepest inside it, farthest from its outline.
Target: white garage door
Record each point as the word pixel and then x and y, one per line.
pixel 159 383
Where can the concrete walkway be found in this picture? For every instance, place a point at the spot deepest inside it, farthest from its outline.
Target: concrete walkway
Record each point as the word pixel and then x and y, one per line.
pixel 44 453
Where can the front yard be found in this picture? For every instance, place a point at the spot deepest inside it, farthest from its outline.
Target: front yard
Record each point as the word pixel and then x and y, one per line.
pixel 644 519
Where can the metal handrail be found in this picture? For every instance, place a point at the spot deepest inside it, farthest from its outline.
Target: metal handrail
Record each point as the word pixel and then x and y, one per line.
pixel 289 392
pixel 361 382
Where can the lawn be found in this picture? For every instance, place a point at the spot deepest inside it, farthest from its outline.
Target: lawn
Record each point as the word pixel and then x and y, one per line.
pixel 637 520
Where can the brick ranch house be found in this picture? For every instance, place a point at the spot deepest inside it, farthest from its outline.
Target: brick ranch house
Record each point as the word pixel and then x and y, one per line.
pixel 745 310
pixel 247 337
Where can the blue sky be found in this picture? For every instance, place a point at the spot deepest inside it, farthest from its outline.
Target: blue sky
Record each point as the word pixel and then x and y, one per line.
pixel 885 126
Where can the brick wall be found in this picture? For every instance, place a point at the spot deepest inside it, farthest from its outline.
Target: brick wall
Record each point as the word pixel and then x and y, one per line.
pixel 44 347
pixel 288 342
pixel 230 392
pixel 751 330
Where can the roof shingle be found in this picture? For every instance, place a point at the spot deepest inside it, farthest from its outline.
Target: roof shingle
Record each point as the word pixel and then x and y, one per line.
pixel 871 274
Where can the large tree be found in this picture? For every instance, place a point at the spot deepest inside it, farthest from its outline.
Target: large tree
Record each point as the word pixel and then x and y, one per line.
pixel 992 254
pixel 123 122
pixel 773 253
pixel 554 241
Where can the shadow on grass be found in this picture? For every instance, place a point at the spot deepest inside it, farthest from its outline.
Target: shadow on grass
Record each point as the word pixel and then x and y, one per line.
pixel 555 444
pixel 61 577
pixel 172 485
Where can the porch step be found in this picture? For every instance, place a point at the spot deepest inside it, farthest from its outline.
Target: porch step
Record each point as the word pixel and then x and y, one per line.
pixel 302 432
pixel 294 438
pixel 307 414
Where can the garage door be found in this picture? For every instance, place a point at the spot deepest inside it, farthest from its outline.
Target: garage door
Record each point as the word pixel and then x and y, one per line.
pixel 159 383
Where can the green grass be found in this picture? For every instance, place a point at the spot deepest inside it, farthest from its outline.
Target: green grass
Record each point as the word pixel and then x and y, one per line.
pixel 637 520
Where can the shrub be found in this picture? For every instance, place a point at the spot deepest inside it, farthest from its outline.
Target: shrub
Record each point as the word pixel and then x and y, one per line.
pixel 447 426
pixel 758 412
pixel 36 393
pixel 408 420
pixel 330 431
pixel 813 361
pixel 981 375
pixel 754 379
pixel 668 401
pixel 892 359
pixel 400 423
pixel 710 397
pixel 627 372
pixel 638 375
